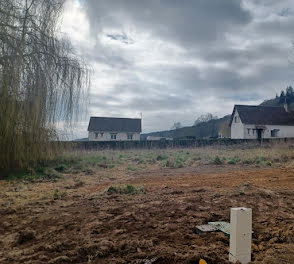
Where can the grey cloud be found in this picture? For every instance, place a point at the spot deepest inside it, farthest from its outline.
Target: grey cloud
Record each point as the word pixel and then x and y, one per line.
pixel 162 103
pixel 121 37
pixel 177 91
pixel 107 56
pixel 188 22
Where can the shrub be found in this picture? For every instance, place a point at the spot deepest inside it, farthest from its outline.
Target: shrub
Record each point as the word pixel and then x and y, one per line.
pixel 61 168
pixel 217 161
pixel 170 163
pixel 234 161
pixel 259 160
pixel 125 189
pixel 179 163
pixel 174 163
pixel 161 157
pixel 131 168
pixel 51 174
pixel 141 161
pixel 131 189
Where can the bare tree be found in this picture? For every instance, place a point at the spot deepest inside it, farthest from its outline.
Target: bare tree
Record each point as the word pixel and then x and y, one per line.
pixel 176 125
pixel 41 80
pixel 204 118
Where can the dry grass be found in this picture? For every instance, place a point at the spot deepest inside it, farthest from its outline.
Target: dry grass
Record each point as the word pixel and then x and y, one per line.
pixel 89 162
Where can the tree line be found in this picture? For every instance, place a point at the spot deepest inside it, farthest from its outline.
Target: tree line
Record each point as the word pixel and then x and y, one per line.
pixel 286 95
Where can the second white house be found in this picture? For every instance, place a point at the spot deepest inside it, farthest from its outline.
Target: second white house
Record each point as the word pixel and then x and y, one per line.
pixel 256 122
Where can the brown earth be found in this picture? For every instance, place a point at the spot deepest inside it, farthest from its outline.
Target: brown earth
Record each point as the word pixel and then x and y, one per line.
pixel 86 225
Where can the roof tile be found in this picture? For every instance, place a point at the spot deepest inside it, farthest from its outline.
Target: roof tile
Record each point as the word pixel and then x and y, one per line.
pixel 114 124
pixel 264 115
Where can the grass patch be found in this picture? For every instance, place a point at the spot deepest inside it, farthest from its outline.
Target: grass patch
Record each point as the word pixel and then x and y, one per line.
pixel 125 189
pixel 90 162
pixel 58 195
pixel 161 157
pixel 173 163
pixel 31 174
pixel 217 161
pixel 234 161
pixel 131 168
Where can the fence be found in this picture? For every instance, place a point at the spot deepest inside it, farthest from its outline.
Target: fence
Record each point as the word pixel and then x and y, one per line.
pixel 162 144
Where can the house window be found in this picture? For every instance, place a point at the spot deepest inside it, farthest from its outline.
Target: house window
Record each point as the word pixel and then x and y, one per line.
pixel 248 131
pixel 96 135
pixel 113 136
pixel 274 132
pixel 253 131
pixel 236 119
pixel 101 134
pixel 130 136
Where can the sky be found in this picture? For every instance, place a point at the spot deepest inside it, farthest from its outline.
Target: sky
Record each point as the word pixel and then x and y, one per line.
pixel 175 60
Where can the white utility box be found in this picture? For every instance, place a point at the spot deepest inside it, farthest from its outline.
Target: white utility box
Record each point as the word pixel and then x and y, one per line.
pixel 240 235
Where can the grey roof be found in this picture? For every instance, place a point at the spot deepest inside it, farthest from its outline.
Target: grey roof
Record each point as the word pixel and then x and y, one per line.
pixel 264 115
pixel 113 124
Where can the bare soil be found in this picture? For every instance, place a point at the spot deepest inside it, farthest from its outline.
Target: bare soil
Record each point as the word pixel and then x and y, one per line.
pixel 81 223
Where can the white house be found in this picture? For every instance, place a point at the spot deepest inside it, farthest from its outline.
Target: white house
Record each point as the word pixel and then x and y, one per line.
pixel 256 122
pixel 114 129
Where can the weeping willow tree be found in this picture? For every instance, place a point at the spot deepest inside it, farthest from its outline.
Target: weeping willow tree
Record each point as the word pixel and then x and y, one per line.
pixel 41 81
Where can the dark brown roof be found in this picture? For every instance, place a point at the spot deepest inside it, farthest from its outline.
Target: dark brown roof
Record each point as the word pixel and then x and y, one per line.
pixel 264 115
pixel 114 124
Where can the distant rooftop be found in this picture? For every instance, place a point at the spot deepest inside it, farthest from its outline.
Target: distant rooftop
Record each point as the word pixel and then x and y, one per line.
pixel 115 124
pixel 264 115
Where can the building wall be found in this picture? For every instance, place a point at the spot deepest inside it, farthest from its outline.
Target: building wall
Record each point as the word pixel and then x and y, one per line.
pixel 284 131
pixel 237 129
pixel 120 136
pixel 158 138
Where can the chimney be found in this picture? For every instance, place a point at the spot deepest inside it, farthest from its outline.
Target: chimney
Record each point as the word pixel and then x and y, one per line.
pixel 286 106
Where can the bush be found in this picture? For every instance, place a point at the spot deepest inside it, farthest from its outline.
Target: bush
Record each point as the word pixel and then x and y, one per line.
pixel 131 189
pixel 234 161
pixel 51 174
pixel 217 161
pixel 61 168
pixel 161 157
pixel 260 160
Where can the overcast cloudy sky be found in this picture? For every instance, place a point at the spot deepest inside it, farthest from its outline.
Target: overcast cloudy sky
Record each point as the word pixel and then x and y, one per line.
pixel 174 60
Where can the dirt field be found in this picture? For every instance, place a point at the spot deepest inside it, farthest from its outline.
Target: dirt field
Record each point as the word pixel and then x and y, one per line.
pixel 75 220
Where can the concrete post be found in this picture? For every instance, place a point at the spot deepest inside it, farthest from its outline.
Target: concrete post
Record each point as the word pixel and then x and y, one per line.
pixel 240 235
